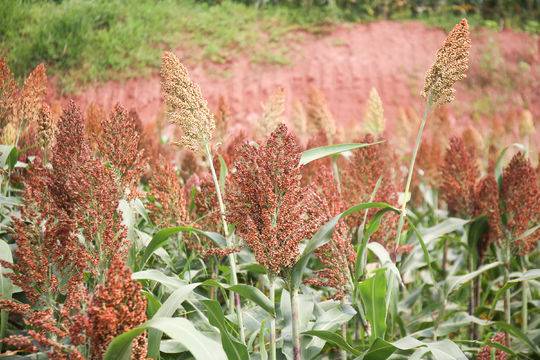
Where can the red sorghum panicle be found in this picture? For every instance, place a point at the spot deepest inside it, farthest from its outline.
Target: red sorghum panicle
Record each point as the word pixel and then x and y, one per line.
pixel 361 174
pixel 521 196
pixel 206 207
pixel 485 352
pixel 271 210
pixel 116 307
pixel 486 198
pixel 20 342
pixel 46 239
pixel 336 256
pixel 170 206
pixel 13 306
pixel 429 161
pixel 119 144
pixel 458 175
pixel 85 189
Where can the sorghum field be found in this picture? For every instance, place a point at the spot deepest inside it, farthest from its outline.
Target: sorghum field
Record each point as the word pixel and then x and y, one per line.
pixel 197 237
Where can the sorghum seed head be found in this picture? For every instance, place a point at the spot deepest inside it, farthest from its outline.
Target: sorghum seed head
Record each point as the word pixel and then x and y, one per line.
pixel 521 196
pixel 273 111
pixel 374 122
pixel 186 107
pixel 450 66
pixel 459 173
pixel 319 117
pixel 485 352
pixel 486 198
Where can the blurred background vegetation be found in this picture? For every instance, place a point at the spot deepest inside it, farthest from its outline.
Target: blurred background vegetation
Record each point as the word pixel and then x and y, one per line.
pixel 94 40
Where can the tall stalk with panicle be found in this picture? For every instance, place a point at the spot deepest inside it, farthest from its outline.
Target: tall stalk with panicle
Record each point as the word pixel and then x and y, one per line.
pixel 273 212
pixel 449 67
pixel 189 110
pixel 521 198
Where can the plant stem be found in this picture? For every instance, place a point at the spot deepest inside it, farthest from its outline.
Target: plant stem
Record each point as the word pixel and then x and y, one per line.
pixel 337 179
pixel 472 299
pixel 295 321
pixel 272 294
pixel 234 300
pixel 406 193
pixel 335 172
pixel 507 294
pixel 343 334
pixel 524 302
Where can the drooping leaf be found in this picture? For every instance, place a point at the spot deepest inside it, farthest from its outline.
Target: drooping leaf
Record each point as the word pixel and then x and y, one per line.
pixel 234 349
pixel 333 338
pixel 160 238
pixel 330 150
pixel 178 329
pixel 455 282
pixel 170 282
pixel 167 309
pixel 248 292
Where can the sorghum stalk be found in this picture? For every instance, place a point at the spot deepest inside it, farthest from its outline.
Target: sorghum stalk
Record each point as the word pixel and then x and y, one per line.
pixel 450 66
pixel 272 291
pixel 343 334
pixel 472 298
pixel 335 172
pixel 295 321
pixel 234 300
pixel 507 294
pixel 524 302
pixel 406 194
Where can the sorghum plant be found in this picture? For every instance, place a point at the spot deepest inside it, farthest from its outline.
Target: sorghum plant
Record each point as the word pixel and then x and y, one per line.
pixel 328 256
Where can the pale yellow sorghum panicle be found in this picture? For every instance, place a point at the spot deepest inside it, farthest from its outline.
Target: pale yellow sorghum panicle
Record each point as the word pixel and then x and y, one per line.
pixel 450 66
pixel 186 107
pixel 45 127
pixel 374 122
pixel 299 119
pixel 473 138
pixel 32 96
pixel 9 134
pixel 272 115
pixel 526 125
pixel 319 117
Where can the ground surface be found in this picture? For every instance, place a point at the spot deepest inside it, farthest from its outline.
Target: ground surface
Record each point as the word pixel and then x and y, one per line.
pixel 345 64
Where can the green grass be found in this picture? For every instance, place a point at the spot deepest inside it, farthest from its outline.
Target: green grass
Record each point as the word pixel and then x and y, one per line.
pixel 83 41
pixel 87 41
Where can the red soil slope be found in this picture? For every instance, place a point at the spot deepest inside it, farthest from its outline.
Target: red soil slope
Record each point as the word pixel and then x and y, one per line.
pixel 344 64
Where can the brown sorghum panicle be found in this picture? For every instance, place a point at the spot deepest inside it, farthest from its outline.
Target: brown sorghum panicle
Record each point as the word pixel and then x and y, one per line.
pixel 458 176
pixel 450 66
pixel 273 213
pixel 485 352
pixel 487 203
pixel 116 307
pixel 338 255
pixel 521 196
